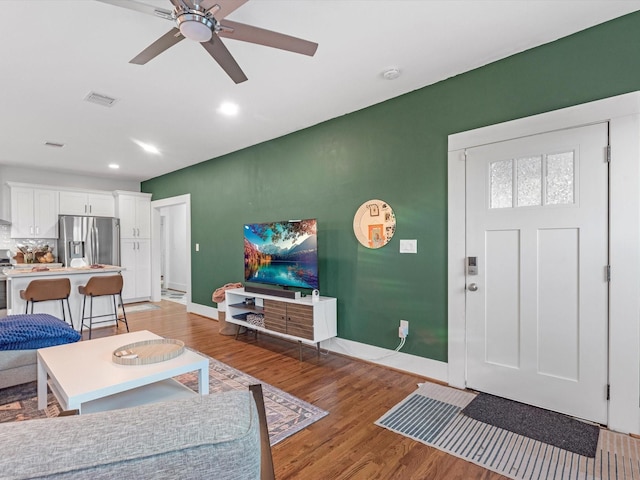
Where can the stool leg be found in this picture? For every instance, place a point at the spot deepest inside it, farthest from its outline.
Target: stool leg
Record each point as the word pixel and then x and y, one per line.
pixel 124 314
pixel 90 315
pixel 26 307
pixel 69 309
pixel 115 310
pixel 84 301
pixel 64 318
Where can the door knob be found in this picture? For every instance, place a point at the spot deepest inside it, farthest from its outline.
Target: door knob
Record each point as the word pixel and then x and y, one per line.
pixel 472 287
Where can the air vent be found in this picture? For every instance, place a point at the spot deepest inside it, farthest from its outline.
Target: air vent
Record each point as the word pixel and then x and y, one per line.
pixel 100 99
pixel 54 144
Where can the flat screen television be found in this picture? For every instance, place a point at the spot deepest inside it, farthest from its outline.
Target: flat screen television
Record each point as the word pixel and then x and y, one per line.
pixel 282 253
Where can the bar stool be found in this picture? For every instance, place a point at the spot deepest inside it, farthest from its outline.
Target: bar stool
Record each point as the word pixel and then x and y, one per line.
pixel 46 290
pixel 99 286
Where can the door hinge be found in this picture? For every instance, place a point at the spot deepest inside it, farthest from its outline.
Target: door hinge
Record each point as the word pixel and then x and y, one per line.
pixel 608 153
pixel 608 273
pixel 608 392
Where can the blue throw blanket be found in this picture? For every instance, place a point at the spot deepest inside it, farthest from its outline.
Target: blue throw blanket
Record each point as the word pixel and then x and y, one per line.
pixel 26 332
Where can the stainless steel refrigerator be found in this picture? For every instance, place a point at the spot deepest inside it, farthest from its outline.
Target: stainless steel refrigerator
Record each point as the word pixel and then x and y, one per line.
pixel 88 240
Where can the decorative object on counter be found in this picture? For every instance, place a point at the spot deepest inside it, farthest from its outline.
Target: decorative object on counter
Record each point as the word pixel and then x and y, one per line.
pixel 34 251
pixel 374 224
pixel 39 269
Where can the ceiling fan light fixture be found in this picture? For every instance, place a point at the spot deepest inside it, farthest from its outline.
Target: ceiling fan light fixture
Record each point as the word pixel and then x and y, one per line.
pixel 195 27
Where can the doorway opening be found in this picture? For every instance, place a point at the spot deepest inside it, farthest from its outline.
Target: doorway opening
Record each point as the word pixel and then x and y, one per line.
pixel 171 265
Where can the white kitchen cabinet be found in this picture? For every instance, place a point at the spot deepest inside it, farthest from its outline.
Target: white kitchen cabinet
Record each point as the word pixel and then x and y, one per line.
pixel 87 203
pixel 135 256
pixel 134 211
pixel 34 212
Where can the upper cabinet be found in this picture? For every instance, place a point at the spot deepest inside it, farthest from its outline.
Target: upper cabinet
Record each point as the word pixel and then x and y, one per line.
pixel 134 211
pixel 87 203
pixel 34 212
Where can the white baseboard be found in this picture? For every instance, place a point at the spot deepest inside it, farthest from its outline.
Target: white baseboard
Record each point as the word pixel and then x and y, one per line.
pixel 203 310
pixel 424 367
pixel 180 287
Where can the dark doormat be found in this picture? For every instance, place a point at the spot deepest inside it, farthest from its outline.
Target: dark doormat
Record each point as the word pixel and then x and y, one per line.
pixel 536 423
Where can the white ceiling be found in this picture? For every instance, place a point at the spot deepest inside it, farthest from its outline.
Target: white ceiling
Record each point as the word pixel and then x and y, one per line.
pixel 69 48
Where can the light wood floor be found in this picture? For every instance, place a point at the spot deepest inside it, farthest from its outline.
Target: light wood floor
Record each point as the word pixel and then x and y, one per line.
pixel 343 445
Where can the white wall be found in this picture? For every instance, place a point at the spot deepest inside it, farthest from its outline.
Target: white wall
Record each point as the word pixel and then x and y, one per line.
pixel 175 218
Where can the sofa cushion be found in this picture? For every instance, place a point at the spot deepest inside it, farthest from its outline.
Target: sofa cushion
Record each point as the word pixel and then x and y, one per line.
pixel 212 436
pixel 24 332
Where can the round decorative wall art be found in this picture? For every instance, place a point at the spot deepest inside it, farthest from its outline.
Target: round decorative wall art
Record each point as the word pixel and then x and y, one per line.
pixel 374 224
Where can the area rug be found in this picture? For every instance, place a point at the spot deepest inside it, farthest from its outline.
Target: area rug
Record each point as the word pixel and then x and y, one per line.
pixel 143 307
pixel 536 423
pixel 286 414
pixel 174 296
pixel 433 415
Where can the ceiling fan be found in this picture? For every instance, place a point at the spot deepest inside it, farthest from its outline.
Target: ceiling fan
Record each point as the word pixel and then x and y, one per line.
pixel 204 21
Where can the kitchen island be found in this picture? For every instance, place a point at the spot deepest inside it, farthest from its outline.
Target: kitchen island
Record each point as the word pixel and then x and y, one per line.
pixel 19 278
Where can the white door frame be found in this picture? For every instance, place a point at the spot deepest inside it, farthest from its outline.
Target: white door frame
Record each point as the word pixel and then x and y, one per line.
pixel 156 248
pixel 623 114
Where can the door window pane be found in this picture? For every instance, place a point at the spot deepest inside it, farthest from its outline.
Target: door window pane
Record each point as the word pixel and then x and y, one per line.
pixel 560 178
pixel 529 171
pixel 502 184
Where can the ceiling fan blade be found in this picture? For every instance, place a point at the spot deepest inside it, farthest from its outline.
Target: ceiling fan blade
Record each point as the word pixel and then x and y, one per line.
pixel 249 33
pixel 141 7
pixel 220 54
pixel 169 39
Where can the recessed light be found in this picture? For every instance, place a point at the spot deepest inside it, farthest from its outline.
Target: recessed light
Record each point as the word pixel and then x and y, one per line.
pixel 147 147
pixel 229 108
pixel 114 166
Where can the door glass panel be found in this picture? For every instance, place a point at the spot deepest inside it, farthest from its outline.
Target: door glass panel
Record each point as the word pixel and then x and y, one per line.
pixel 529 181
pixel 560 178
pixel 502 184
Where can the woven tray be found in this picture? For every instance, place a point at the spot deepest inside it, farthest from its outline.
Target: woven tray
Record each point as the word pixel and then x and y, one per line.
pixel 148 351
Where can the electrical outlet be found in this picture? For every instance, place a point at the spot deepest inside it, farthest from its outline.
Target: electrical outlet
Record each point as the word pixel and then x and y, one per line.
pixel 403 331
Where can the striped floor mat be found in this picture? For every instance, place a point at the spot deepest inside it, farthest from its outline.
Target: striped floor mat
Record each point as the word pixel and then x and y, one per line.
pixel 431 415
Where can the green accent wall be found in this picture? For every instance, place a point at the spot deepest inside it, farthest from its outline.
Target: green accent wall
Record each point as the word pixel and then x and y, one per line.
pixel 395 151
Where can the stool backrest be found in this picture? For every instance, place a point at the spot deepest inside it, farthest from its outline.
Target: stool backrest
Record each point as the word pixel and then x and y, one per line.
pixel 103 285
pixel 51 289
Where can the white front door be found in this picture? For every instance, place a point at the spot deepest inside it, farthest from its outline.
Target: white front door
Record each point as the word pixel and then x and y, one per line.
pixel 537 223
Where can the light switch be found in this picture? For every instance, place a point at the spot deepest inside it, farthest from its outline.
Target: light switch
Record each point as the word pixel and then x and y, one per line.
pixel 197 247
pixel 408 246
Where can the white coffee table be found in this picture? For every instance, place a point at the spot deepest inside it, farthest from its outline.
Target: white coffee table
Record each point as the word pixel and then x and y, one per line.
pixel 83 375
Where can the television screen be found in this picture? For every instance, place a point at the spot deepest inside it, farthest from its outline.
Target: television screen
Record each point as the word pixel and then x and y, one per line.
pixel 282 253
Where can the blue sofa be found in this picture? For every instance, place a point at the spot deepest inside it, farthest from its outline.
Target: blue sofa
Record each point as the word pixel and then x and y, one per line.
pixel 21 336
